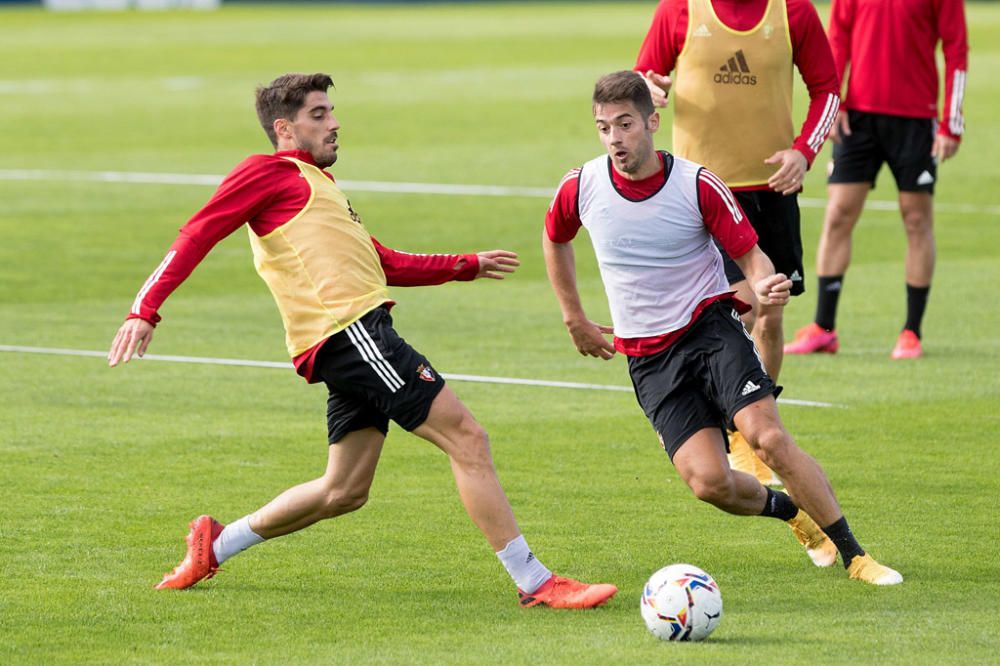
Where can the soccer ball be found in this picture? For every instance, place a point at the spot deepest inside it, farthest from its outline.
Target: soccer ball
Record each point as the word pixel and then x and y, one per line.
pixel 681 603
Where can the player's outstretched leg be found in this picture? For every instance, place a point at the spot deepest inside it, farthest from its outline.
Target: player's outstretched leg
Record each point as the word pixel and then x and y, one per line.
pixel 343 488
pixel 809 488
pixel 453 429
pixel 199 563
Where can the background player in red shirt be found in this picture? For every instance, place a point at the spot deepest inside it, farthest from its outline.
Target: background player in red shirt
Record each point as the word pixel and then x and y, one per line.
pixel 651 219
pixel 889 115
pixel 329 279
pixel 733 64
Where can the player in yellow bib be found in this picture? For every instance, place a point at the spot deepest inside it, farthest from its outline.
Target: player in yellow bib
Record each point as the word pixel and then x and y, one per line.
pixel 732 65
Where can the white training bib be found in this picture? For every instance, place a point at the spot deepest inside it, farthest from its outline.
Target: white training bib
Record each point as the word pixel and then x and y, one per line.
pixel 656 256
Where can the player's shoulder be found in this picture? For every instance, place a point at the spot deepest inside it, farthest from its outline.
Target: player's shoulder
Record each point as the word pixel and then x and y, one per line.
pixel 685 167
pixel 671 7
pixel 801 10
pixel 263 163
pixel 570 180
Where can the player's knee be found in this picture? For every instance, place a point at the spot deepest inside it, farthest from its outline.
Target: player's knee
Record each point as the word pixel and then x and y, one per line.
pixel 474 446
pixel 343 500
pixel 715 489
pixel 917 223
pixel 840 218
pixel 771 444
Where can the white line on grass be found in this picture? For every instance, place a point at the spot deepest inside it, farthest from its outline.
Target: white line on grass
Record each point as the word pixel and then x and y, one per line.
pixel 288 366
pixel 397 187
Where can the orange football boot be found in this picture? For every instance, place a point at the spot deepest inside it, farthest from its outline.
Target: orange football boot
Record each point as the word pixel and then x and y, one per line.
pixel 812 339
pixel 559 592
pixel 907 346
pixel 199 563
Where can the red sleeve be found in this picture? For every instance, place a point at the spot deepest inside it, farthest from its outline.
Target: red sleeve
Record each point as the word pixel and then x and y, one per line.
pixel 665 38
pixel 811 54
pixel 403 269
pixel 955 45
pixel 562 221
pixel 723 215
pixel 839 35
pixel 242 194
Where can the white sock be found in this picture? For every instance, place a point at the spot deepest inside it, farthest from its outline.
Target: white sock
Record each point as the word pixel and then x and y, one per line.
pixel 234 539
pixel 522 565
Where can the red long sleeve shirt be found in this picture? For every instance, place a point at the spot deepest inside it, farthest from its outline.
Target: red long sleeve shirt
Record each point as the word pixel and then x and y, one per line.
pixel 810 54
pixel 265 192
pixel 889 46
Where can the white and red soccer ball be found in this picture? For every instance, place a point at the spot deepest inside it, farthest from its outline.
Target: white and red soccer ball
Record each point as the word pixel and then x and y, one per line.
pixel 681 603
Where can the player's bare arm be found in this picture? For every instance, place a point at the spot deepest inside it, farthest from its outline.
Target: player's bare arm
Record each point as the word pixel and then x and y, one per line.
pixel 788 178
pixel 769 287
pixel 493 264
pixel 133 336
pixel 588 336
pixel 659 87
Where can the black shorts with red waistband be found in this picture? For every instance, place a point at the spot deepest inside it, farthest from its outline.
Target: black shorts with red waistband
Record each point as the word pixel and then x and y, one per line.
pixel 373 376
pixel 702 380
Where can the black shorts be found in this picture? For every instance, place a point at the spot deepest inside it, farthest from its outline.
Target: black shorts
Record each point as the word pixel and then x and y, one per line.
pixel 702 380
pixel 904 143
pixel 373 375
pixel 775 218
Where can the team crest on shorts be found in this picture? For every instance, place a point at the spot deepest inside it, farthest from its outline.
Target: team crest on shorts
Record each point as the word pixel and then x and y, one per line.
pixel 425 373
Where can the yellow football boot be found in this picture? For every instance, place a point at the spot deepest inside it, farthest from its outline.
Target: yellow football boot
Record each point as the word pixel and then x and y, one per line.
pixel 865 568
pixel 820 549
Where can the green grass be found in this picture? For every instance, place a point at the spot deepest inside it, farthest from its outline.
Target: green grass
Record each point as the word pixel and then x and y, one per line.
pixel 101 469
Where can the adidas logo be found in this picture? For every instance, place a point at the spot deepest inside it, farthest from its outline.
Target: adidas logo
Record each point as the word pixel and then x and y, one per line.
pixel 834 286
pixel 795 277
pixel 750 387
pixel 702 31
pixel 925 178
pixel 737 71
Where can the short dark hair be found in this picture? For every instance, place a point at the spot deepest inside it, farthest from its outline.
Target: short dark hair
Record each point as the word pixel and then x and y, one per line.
pixel 284 96
pixel 624 86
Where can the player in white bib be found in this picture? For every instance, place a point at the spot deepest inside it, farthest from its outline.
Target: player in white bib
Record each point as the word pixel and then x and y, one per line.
pixel 651 218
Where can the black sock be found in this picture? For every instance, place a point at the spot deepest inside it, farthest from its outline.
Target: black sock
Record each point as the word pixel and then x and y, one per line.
pixel 826 302
pixel 842 537
pixel 778 505
pixel 916 303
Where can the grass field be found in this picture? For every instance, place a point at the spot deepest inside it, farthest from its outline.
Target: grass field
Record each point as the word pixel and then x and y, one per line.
pixel 101 469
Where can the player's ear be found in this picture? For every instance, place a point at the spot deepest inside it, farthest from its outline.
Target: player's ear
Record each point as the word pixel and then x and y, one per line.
pixel 282 128
pixel 653 122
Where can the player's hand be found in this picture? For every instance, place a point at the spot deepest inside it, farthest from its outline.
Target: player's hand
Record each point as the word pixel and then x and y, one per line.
pixel 944 148
pixel 134 335
pixel 494 263
pixel 589 338
pixel 841 127
pixel 659 87
pixel 788 178
pixel 773 290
